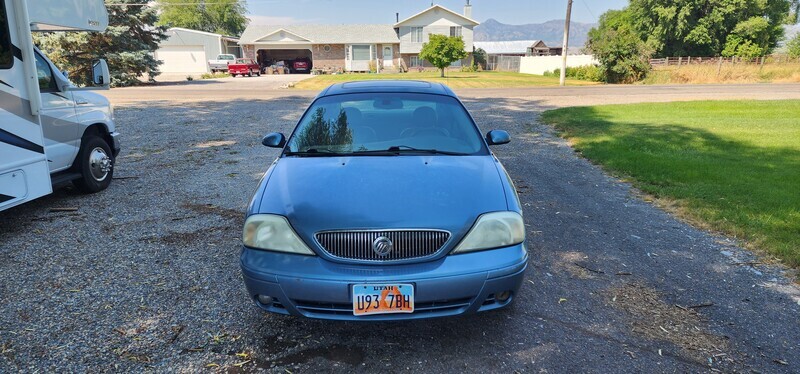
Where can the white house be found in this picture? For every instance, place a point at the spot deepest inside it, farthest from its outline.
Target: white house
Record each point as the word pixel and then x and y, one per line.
pixel 188 51
pixel 356 47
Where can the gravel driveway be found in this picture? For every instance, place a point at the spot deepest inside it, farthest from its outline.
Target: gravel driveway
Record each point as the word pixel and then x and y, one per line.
pixel 145 275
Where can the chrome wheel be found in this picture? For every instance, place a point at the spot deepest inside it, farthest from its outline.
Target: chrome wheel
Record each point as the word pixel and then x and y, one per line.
pixel 99 164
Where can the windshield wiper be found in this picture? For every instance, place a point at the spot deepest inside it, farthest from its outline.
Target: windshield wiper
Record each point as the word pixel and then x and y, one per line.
pixel 405 148
pixel 316 152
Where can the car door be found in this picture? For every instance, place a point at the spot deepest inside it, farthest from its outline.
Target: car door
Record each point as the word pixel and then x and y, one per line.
pixel 59 119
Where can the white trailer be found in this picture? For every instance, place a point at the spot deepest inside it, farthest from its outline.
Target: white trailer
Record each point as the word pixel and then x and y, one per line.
pixel 50 130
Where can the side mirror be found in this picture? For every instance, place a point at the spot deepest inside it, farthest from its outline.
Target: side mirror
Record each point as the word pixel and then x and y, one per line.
pixel 274 140
pixel 100 74
pixel 497 137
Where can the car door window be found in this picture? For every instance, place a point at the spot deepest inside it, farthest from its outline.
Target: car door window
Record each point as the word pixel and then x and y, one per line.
pixel 6 57
pixel 45 75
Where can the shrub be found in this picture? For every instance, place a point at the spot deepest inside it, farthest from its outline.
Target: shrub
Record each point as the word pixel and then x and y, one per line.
pixel 623 56
pixel 591 73
pixel 793 46
pixel 469 68
pixel 214 75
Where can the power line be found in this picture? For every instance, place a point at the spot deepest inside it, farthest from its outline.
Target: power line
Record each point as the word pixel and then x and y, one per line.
pixel 589 9
pixel 156 3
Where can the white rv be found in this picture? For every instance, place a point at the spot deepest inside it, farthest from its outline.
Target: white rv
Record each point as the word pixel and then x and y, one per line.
pixel 51 132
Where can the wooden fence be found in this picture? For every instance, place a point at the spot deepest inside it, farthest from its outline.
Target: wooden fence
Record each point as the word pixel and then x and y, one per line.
pixel 680 61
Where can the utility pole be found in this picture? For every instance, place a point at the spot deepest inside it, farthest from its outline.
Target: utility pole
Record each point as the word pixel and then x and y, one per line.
pixel 565 45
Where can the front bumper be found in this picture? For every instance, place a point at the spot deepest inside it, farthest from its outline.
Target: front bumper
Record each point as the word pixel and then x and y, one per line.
pixel 312 287
pixel 116 147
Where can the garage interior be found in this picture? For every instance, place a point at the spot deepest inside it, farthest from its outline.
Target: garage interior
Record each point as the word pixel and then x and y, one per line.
pixel 269 57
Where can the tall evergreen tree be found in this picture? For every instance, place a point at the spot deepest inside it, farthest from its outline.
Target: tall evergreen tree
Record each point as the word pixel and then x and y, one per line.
pixel 226 17
pixel 128 45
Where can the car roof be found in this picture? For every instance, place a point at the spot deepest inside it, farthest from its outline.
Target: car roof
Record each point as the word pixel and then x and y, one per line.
pixel 388 86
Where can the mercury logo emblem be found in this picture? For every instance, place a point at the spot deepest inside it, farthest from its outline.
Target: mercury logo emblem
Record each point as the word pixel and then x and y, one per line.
pixel 382 246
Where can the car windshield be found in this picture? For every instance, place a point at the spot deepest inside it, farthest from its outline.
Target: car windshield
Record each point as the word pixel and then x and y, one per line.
pixel 227 57
pixel 242 61
pixel 386 123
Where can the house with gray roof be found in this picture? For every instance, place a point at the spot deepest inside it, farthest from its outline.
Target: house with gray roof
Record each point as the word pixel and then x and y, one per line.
pixel 358 47
pixel 517 48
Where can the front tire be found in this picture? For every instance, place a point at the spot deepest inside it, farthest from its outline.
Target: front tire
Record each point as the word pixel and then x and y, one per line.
pixel 95 162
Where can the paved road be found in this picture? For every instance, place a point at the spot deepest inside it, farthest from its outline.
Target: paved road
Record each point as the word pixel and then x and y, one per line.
pixel 145 275
pixel 270 87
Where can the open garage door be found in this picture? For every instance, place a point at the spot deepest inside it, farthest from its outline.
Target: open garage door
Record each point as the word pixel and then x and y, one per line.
pixel 269 57
pixel 182 59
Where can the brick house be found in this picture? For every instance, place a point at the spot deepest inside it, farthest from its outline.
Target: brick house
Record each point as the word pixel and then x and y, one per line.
pixel 358 47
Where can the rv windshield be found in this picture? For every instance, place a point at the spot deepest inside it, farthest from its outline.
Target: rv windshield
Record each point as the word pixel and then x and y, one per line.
pixel 6 58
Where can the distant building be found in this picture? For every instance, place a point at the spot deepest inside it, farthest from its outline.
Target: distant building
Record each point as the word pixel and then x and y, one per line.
pixel 517 48
pixel 188 51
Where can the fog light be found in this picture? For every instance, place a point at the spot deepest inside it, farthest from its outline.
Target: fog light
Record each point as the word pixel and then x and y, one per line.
pixel 503 296
pixel 265 300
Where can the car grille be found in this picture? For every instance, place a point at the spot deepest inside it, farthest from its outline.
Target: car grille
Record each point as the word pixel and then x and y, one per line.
pixel 358 245
pixel 443 307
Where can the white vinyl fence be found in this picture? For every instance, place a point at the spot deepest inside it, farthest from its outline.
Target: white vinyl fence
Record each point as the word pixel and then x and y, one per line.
pixel 540 64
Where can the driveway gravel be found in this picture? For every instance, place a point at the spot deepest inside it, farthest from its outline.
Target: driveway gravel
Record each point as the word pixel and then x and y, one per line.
pixel 145 276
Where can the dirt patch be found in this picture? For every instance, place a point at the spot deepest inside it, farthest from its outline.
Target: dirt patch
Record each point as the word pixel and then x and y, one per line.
pixel 575 264
pixel 679 325
pixel 232 214
pixel 202 235
pixel 335 353
pixel 216 143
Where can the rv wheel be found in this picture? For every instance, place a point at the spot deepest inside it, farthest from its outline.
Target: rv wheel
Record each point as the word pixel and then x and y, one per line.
pixel 96 164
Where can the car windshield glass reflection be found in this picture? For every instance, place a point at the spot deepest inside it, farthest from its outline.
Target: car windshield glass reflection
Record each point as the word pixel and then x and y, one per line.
pixel 386 124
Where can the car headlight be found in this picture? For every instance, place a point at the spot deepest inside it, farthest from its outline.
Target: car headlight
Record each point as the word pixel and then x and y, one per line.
pixel 273 233
pixel 493 230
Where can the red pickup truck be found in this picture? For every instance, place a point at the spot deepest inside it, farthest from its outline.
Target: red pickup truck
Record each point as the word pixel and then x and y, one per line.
pixel 244 66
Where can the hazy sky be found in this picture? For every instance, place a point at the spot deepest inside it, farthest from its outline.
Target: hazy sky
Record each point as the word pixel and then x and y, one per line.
pixel 383 11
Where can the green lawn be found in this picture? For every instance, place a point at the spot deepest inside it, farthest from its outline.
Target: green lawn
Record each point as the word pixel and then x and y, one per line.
pixel 733 166
pixel 484 79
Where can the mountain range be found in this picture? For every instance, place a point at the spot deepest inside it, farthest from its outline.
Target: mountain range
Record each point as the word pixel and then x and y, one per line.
pixel 551 32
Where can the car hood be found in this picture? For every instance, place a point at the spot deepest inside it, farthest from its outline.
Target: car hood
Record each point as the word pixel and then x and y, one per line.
pixel 408 192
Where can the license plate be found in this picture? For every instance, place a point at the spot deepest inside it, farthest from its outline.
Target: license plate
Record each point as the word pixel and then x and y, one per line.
pixel 371 299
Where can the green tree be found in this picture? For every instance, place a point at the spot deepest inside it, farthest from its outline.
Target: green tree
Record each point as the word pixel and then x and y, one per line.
pixel 480 56
pixel 128 45
pixel 623 55
pixel 441 50
pixel 709 27
pixel 226 17
pixel 793 46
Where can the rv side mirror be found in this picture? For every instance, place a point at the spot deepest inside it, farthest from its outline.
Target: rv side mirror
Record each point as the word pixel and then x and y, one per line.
pixel 100 74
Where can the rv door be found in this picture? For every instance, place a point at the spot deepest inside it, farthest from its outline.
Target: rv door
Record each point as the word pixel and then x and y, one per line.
pixel 24 171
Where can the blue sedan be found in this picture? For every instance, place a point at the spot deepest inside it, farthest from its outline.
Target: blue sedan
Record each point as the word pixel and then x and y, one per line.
pixel 385 204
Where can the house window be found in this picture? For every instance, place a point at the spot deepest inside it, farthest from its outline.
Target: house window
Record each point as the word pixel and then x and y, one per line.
pixel 414 62
pixel 456 64
pixel 455 30
pixel 361 52
pixel 416 34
